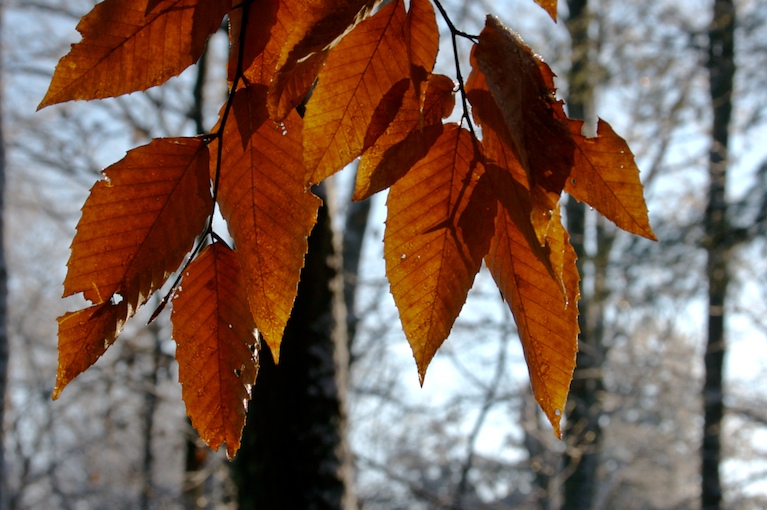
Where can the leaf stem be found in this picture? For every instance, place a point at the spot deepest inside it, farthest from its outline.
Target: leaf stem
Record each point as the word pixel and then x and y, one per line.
pixel 454 34
pixel 218 135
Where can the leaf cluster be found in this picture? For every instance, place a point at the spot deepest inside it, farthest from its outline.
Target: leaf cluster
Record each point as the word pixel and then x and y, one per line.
pixel 314 85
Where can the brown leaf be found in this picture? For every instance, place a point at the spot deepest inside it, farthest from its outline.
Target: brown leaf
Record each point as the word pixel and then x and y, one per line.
pixel 440 219
pixel 422 39
pixel 505 171
pixel 313 27
pixel 549 6
pixel 407 138
pixel 522 88
pixel 546 317
pixel 131 45
pixel 607 178
pixel 268 209
pixel 215 335
pixel 266 32
pixel 140 221
pixel 84 336
pixel 360 70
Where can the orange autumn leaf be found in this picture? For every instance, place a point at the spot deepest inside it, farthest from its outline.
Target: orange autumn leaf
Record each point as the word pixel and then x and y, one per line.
pixel 314 26
pixel 269 25
pixel 140 221
pixel 131 45
pixel 264 35
pixel 438 228
pixel 84 336
pixel 422 40
pixel 606 177
pixel 550 6
pixel 269 211
pixel 216 346
pixel 546 314
pixel 521 85
pixel 407 138
pixel 360 70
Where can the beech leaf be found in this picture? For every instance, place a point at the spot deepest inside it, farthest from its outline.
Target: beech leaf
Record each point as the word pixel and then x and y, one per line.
pixel 84 336
pixel 313 27
pixel 607 178
pixel 440 219
pixel 268 209
pixel 216 346
pixel 131 45
pixel 522 88
pixel 546 315
pixel 550 6
pixel 360 70
pixel 140 221
pixel 407 138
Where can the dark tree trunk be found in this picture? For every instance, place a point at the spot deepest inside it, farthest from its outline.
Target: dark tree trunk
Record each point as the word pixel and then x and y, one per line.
pixel 583 433
pixel 3 307
pixel 294 454
pixel 721 66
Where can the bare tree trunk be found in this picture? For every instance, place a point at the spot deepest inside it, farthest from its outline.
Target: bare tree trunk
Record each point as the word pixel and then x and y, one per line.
pixel 583 433
pixel 721 66
pixel 294 453
pixel 3 306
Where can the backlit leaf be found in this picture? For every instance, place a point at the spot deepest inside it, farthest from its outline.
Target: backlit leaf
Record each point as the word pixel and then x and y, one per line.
pixel 546 315
pixel 130 45
pixel 607 178
pixel 84 336
pixel 520 84
pixel 140 221
pixel 268 209
pixel 407 138
pixel 422 38
pixel 549 6
pixel 360 70
pixel 314 26
pixel 216 346
pixel 440 219
pixel 265 34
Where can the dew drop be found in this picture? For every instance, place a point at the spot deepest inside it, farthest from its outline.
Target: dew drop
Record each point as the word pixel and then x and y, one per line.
pixel 230 326
pixel 403 257
pixel 558 412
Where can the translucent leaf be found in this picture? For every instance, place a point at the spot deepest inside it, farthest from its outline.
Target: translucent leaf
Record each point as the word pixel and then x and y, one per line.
pixel 216 346
pixel 546 316
pixel 550 6
pixel 360 70
pixel 84 336
pixel 407 138
pixel 268 209
pixel 422 38
pixel 140 221
pixel 131 45
pixel 313 27
pixel 440 219
pixel 522 87
pixel 606 177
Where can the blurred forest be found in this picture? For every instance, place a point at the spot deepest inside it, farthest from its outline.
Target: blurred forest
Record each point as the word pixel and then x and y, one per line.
pixel 472 437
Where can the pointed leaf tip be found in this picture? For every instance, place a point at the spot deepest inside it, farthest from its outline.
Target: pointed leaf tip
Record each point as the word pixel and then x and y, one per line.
pixel 214 331
pixel 437 231
pixel 550 6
